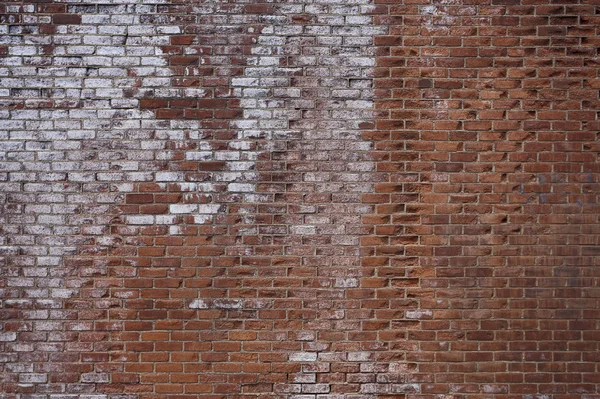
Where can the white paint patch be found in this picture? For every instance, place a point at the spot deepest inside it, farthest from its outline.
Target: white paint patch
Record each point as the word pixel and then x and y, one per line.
pixel 419 314
pixel 165 219
pixel 202 219
pixel 359 356
pixel 346 282
pixel 198 304
pixel 303 357
pixel 175 230
pixel 406 388
pixel 305 378
pixel 228 303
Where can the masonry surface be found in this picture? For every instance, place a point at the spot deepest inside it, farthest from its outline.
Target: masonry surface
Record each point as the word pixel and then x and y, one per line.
pixel 307 199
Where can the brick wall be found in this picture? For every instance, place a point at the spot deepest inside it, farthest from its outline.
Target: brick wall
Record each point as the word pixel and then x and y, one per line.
pixel 329 199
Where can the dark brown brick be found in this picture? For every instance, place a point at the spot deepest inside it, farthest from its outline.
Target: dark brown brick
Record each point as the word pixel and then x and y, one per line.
pixel 66 19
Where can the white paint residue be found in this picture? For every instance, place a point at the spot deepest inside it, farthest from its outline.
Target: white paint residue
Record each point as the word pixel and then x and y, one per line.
pixel 198 304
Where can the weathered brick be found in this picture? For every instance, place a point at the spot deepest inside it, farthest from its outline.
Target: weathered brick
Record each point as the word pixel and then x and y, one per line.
pixel 342 199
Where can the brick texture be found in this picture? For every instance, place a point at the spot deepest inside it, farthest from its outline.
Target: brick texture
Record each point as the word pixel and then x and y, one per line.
pixel 328 199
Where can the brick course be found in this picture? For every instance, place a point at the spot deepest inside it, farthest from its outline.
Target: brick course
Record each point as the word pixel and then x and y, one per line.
pixel 308 200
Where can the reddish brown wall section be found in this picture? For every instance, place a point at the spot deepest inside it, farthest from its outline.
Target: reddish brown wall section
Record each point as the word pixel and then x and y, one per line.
pixel 487 136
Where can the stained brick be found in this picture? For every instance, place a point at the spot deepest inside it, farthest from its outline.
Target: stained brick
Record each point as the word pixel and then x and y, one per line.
pixel 66 19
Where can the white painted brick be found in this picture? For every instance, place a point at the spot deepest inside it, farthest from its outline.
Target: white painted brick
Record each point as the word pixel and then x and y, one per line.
pixel 183 208
pixel 199 156
pixel 202 219
pixel 209 208
pixel 240 187
pixel 165 219
pixel 95 377
pixel 303 357
pixel 8 336
pixel 137 220
pixel 244 82
pixel 305 378
pixel 315 388
pixel 33 378
pixel 169 176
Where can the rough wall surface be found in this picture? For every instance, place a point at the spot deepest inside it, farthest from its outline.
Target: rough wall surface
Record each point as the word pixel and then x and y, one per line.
pixel 303 199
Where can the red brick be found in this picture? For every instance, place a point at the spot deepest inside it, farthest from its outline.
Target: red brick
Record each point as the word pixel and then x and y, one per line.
pixel 139 198
pixel 184 60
